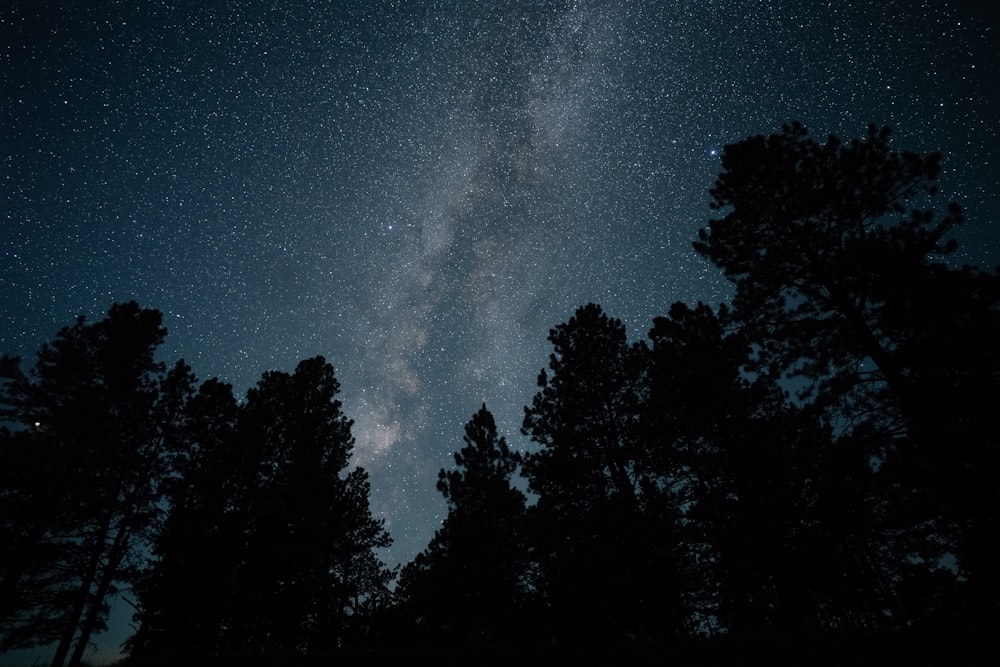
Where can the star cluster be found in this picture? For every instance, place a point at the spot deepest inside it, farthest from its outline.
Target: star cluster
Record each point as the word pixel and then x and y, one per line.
pixel 419 190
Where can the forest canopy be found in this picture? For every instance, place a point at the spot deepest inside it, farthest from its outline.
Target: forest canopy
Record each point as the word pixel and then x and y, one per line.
pixel 818 458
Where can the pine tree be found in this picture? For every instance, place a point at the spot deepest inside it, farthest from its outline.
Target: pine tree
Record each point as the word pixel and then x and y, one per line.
pixel 269 512
pixel 471 584
pixel 97 421
pixel 197 545
pixel 833 248
pixel 603 526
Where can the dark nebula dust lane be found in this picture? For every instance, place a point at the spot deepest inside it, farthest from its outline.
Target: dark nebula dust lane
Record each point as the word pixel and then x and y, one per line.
pixel 418 191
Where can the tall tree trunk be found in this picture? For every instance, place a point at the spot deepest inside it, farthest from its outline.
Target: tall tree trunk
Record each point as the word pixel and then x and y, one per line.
pixel 116 553
pixel 115 557
pixel 83 593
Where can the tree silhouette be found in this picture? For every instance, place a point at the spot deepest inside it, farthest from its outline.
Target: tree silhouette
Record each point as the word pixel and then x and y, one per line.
pixel 603 523
pixel 97 421
pixel 267 512
pixel 831 252
pixel 470 584
pixel 808 245
pixel 732 451
pixel 199 544
pixel 583 416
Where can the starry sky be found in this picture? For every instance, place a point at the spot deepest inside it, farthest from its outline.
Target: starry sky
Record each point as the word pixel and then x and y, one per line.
pixel 419 191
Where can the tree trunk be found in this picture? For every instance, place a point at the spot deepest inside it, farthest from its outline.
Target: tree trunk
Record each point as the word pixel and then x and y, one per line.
pixel 107 578
pixel 83 593
pixel 116 554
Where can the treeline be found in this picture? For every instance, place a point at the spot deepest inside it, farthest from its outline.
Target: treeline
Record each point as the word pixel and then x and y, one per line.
pixel 817 459
pixel 261 536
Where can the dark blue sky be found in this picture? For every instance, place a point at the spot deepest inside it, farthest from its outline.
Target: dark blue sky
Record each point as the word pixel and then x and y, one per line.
pixel 419 190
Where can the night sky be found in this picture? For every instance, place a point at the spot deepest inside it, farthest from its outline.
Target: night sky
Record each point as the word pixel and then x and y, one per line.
pixel 419 191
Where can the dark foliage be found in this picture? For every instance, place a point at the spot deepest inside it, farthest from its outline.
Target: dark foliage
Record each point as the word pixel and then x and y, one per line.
pixel 603 526
pixel 472 585
pixel 832 254
pixel 92 428
pixel 269 525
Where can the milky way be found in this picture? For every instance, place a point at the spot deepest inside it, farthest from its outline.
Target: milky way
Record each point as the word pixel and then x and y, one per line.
pixel 419 191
